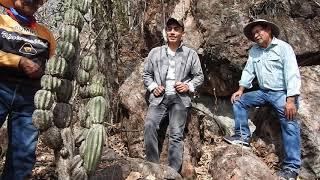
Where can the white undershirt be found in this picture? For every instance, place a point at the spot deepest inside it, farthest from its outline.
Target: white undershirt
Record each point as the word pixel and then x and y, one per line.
pixel 170 78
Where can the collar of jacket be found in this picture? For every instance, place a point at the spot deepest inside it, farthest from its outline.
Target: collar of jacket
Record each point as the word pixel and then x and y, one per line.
pixel 30 22
pixel 166 46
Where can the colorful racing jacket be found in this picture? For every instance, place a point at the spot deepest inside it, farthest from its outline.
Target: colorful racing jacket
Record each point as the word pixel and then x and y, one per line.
pixel 37 44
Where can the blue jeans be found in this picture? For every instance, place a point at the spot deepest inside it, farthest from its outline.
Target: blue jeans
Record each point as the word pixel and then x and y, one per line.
pixel 16 102
pixel 290 129
pixel 172 106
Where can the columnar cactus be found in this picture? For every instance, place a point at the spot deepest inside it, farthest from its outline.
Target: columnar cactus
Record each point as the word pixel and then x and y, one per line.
pixel 50 83
pixel 93 146
pixel 97 109
pixel 83 77
pixel 62 114
pixel 57 67
pixel 65 49
pixel 43 99
pixel 52 138
pixel 95 116
pixel 69 33
pixel 74 17
pixel 42 119
pixel 87 62
pixel 53 114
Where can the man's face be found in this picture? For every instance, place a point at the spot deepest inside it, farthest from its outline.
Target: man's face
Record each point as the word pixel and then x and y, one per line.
pixel 174 33
pixel 27 7
pixel 261 35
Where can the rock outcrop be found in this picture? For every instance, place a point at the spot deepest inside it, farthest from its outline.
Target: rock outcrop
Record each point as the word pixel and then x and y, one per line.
pixel 214 29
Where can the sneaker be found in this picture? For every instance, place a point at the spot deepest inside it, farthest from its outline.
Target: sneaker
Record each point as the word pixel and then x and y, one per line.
pixel 237 140
pixel 287 174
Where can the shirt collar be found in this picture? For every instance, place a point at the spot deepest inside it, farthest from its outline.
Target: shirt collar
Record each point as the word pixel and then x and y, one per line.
pixel 180 46
pixel 274 42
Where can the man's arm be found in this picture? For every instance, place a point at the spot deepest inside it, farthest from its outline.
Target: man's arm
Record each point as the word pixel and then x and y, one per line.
pixel 236 96
pixel 148 73
pixel 248 74
pixel 9 60
pixel 196 73
pixel 293 81
pixel 32 69
pixel 291 72
pixel 148 76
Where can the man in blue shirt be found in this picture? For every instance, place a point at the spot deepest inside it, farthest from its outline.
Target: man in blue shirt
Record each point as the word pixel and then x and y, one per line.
pixel 273 63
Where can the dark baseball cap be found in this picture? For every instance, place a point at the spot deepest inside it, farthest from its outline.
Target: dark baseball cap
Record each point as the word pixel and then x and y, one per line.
pixel 171 21
pixel 10 3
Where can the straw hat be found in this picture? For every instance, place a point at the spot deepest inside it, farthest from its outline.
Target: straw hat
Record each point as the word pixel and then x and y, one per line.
pixel 247 30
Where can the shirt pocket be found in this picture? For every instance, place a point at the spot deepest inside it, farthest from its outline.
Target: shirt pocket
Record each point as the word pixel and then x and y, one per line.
pixel 274 65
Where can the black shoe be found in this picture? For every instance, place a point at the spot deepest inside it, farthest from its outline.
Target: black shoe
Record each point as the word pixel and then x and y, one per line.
pixel 237 140
pixel 287 174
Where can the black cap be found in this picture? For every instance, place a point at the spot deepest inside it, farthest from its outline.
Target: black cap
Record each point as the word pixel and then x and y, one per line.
pixel 34 2
pixel 174 21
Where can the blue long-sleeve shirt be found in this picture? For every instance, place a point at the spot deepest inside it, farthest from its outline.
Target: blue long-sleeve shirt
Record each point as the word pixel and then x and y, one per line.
pixel 275 67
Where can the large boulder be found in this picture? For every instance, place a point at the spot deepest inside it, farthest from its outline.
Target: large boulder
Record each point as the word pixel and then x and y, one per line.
pixel 310 118
pixel 117 167
pixel 234 162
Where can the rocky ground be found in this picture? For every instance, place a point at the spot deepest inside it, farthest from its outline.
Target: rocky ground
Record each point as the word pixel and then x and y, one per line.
pixel 111 159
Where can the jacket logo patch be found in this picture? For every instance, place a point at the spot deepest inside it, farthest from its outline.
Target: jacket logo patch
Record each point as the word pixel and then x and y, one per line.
pixel 27 48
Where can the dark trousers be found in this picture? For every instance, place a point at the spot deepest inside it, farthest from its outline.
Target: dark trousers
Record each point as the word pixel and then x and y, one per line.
pixel 172 107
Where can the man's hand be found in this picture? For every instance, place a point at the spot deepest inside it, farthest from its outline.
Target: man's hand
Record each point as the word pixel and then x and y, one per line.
pixel 158 91
pixel 236 96
pixel 32 69
pixel 181 87
pixel 290 108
